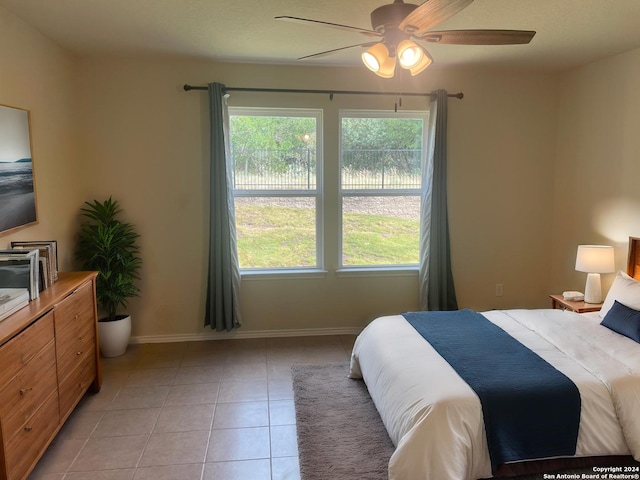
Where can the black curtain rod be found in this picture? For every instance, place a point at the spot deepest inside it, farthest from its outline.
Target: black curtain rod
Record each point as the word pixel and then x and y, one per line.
pixel 459 95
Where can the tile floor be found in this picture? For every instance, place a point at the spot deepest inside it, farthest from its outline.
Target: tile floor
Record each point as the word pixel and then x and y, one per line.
pixel 210 410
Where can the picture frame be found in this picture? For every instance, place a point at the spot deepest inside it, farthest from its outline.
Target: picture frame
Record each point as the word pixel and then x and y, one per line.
pixel 20 269
pixel 17 176
pixel 48 250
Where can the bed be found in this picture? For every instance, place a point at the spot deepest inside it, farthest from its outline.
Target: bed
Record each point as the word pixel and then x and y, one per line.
pixel 435 419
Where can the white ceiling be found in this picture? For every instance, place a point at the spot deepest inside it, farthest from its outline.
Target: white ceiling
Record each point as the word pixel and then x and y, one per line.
pixel 569 32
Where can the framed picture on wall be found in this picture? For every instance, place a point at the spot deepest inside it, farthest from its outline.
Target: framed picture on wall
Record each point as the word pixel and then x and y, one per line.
pixel 17 179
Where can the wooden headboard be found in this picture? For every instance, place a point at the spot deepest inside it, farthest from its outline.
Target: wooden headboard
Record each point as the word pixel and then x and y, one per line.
pixel 633 262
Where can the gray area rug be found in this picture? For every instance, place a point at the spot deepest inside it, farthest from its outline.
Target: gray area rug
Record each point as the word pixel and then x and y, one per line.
pixel 340 433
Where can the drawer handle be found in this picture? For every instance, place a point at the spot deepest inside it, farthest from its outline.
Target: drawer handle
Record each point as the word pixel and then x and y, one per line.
pixel 25 390
pixel 78 353
pixel 28 429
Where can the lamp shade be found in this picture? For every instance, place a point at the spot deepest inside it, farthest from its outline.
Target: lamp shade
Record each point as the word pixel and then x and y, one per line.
pixel 424 62
pixel 378 60
pixel 595 259
pixel 388 68
pixel 409 54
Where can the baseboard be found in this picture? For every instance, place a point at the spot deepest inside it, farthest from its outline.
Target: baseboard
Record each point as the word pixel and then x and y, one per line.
pixel 239 334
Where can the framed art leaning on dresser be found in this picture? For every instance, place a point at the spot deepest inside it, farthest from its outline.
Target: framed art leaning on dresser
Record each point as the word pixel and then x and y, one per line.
pixel 17 179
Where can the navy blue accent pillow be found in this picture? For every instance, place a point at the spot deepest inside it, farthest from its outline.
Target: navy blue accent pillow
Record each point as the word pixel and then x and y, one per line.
pixel 623 320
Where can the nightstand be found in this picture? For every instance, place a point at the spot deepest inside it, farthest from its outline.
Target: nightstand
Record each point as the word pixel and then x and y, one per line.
pixel 558 301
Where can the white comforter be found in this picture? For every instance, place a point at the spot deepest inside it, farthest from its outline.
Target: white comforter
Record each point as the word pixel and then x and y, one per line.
pixel 435 419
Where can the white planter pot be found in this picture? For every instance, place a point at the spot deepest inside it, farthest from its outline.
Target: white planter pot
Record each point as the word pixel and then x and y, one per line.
pixel 114 336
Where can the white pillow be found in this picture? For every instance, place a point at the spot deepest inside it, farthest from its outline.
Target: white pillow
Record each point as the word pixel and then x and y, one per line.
pixel 625 290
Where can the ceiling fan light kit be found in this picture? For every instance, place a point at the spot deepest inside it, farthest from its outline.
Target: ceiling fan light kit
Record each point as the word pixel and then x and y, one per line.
pixel 410 56
pixel 398 24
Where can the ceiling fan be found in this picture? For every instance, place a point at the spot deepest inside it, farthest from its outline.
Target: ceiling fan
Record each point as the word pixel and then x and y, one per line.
pixel 396 26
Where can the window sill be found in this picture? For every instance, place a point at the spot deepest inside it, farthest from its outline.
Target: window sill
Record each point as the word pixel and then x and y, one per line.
pixel 282 274
pixel 391 271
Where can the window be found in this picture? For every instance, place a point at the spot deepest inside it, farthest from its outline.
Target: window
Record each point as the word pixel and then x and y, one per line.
pixel 381 156
pixel 277 183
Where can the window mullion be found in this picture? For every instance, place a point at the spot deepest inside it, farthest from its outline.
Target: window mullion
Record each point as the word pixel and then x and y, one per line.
pixel 275 193
pixel 379 193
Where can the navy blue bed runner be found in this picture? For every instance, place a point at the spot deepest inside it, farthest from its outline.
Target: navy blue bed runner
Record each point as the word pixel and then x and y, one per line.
pixel 531 410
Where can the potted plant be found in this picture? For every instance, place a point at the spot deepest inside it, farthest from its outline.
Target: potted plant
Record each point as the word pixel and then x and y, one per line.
pixel 109 246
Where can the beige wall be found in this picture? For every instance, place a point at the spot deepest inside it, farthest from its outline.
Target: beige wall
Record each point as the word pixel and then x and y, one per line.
pixel 597 199
pixel 146 141
pixel 38 76
pixel 501 149
pixel 124 127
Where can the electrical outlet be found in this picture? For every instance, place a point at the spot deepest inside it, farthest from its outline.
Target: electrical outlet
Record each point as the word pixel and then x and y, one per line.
pixel 499 289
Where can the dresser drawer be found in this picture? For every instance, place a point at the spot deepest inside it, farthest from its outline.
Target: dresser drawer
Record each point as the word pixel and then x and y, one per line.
pixel 77 309
pixel 21 397
pixel 72 347
pixel 26 445
pixel 18 351
pixel 74 386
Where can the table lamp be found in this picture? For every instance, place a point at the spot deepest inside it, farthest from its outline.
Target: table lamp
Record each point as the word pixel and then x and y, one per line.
pixel 594 260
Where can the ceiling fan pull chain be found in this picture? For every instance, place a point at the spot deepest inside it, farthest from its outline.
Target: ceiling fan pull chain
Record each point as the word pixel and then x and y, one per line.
pixel 397 104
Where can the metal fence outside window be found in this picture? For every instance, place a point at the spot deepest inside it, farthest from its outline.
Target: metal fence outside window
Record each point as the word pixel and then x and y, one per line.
pixel 295 169
pixel 381 169
pixel 274 169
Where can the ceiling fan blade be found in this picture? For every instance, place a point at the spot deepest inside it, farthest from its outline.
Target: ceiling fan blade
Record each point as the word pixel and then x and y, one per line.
pixel 431 13
pixel 364 31
pixel 479 37
pixel 328 52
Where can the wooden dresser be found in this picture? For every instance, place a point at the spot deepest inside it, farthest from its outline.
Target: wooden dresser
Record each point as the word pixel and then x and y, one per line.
pixel 48 360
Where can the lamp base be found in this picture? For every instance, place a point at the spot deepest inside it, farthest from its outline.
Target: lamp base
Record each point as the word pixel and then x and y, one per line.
pixel 593 289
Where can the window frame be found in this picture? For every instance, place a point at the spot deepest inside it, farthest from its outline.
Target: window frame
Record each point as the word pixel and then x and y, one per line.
pixel 389 269
pixel 317 194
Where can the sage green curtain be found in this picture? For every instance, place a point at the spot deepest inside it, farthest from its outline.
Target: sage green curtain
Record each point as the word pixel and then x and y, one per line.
pixel 222 311
pixel 437 290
